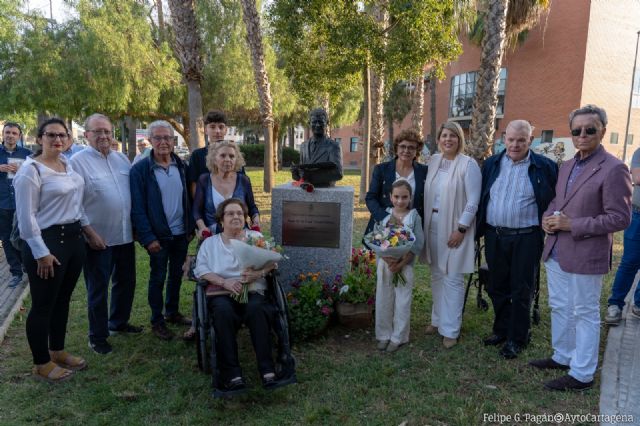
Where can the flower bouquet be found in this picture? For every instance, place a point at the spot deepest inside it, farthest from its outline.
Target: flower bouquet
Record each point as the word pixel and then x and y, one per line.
pixel 254 252
pixel 391 241
pixel 310 304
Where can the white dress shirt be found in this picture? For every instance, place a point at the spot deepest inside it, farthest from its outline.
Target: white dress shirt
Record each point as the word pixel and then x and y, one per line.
pixel 45 198
pixel 107 194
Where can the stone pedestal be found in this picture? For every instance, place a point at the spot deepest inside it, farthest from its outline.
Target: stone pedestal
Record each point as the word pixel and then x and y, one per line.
pixel 314 228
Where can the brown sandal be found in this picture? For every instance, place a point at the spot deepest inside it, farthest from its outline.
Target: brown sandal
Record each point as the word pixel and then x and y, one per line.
pixel 68 361
pixel 51 373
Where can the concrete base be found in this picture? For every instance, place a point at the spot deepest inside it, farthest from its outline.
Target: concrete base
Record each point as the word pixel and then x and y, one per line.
pixel 327 261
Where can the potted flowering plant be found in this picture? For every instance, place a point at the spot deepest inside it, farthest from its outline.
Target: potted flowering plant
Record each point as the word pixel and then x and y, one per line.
pixel 311 303
pixel 357 290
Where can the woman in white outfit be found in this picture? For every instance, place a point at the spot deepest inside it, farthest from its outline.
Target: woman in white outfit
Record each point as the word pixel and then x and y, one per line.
pixel 451 197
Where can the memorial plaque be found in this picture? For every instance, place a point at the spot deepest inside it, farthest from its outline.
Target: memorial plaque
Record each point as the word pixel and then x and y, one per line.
pixel 310 224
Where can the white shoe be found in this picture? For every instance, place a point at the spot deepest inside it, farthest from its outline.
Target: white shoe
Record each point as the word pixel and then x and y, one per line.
pixel 635 310
pixel 614 315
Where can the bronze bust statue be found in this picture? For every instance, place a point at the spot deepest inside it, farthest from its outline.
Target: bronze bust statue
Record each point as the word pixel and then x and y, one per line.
pixel 320 156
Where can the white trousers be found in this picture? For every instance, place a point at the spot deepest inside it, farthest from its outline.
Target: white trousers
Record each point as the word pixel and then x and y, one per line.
pixel 393 304
pixel 447 290
pixel 574 300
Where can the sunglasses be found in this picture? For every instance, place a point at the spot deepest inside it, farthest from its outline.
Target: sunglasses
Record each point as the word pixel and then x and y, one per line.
pixel 588 131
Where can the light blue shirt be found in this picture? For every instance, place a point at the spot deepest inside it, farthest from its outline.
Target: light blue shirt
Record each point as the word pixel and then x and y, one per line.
pixel 512 202
pixel 170 184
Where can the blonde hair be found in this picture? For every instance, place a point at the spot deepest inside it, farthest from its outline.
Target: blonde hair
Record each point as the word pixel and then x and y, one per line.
pixel 213 152
pixel 455 128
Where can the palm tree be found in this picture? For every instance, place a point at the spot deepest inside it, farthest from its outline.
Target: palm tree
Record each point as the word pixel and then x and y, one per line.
pixel 187 48
pixel 254 39
pixel 503 21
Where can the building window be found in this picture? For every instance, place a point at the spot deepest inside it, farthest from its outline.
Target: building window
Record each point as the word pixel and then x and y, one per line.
pixel 463 89
pixel 354 144
pixel 614 138
pixel 339 141
pixel 629 139
pixel 547 136
pixel 635 100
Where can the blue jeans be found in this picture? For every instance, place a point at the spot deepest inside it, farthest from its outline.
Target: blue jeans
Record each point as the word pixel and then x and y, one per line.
pixel 118 264
pixel 629 265
pixel 14 259
pixel 169 259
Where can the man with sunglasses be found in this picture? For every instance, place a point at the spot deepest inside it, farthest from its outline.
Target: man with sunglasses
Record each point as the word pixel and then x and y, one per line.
pixel 517 187
pixel 593 200
pixel 11 156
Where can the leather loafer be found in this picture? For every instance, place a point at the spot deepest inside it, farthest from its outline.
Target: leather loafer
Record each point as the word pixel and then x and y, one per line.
pixel 567 383
pixel 547 364
pixel 494 340
pixel 510 350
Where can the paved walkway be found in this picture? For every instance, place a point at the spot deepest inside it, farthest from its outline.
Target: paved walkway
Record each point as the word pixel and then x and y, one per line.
pixel 10 298
pixel 620 377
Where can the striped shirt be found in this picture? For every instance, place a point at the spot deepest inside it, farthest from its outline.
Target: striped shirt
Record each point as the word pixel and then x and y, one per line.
pixel 512 202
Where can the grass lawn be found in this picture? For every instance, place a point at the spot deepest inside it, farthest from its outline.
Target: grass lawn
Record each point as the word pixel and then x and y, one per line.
pixel 343 378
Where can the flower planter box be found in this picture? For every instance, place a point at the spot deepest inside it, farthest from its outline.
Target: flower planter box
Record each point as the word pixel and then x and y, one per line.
pixel 355 315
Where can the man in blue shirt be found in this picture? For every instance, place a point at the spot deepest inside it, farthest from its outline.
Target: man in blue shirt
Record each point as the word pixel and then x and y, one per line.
pixel 11 157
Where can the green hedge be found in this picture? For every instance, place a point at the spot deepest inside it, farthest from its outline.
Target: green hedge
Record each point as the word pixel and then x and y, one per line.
pixel 254 155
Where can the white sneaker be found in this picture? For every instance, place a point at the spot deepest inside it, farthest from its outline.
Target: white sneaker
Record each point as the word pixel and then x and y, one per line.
pixel 614 315
pixel 635 310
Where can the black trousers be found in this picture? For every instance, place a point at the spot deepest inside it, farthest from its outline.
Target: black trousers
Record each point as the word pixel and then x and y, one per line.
pixel 513 261
pixel 228 315
pixel 47 319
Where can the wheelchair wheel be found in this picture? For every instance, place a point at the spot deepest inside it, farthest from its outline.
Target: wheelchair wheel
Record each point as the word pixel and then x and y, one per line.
pixel 202 344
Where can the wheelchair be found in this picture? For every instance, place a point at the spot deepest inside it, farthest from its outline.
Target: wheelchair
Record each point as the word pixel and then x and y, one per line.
pixel 206 338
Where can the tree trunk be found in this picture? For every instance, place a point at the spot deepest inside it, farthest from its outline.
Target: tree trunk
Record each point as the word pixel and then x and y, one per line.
pixel 418 106
pixel 366 135
pixel 196 120
pixel 160 20
pixel 377 118
pixel 325 106
pixel 187 48
pixel 254 39
pixel 131 125
pixel 433 144
pixel 486 98
pixel 292 137
pixel 276 148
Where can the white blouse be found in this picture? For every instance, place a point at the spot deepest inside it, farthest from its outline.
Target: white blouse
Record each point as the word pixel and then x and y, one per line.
pixel 214 256
pixel 45 198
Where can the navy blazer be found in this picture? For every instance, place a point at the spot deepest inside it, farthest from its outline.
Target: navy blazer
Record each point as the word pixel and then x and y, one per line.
pixel 378 196
pixel 147 213
pixel 543 174
pixel 203 207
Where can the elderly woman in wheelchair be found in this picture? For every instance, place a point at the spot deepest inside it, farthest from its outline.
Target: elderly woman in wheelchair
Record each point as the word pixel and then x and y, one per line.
pixel 218 267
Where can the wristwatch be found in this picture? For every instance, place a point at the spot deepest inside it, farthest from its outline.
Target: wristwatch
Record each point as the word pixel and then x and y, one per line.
pixel 462 229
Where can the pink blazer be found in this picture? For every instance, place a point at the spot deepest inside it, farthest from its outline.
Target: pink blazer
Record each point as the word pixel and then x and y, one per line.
pixel 598 204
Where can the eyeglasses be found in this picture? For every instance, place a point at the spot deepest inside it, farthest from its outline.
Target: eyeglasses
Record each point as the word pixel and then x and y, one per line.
pixel 407 148
pixel 162 138
pixel 101 132
pixel 54 136
pixel 587 130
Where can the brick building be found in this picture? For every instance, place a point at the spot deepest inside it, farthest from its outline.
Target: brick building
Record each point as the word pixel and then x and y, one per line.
pixel 581 52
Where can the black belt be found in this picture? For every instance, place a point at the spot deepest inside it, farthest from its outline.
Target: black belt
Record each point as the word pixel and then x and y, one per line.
pixel 501 230
pixel 635 208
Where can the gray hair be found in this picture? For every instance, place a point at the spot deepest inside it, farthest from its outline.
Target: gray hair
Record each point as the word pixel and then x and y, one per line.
pixel 160 124
pixel 590 109
pixel 95 117
pixel 521 124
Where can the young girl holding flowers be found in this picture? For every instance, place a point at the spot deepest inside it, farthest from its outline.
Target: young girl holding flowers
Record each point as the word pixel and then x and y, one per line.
pixel 393 302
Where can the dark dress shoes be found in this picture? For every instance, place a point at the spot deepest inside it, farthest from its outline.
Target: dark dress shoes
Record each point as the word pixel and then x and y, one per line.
pixel 510 350
pixel 494 340
pixel 547 364
pixel 567 383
